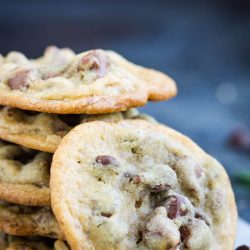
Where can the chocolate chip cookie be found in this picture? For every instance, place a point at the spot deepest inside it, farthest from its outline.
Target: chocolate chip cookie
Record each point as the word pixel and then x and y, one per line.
pixel 91 82
pixel 136 185
pixel 24 175
pixel 28 221
pixel 8 242
pixel 43 131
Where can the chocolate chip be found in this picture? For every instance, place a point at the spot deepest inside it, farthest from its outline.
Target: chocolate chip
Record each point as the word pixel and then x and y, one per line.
pixel 244 247
pixel 96 59
pixel 185 233
pixel 108 215
pixel 137 179
pixel 160 188
pixel 106 160
pixel 133 177
pixel 19 80
pixel 139 237
pixel 138 203
pixel 175 206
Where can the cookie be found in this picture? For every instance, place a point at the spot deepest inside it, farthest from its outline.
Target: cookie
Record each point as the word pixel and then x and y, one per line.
pixel 8 242
pixel 61 245
pixel 28 221
pixel 43 131
pixel 91 82
pixel 137 185
pixel 24 175
pixel 3 241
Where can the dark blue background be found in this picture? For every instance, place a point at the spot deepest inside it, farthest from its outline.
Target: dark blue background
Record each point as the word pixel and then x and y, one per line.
pixel 201 44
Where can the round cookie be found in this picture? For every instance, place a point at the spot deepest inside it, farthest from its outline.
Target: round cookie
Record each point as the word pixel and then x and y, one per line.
pixel 24 175
pixel 137 185
pixel 43 131
pixel 8 242
pixel 28 221
pixel 92 82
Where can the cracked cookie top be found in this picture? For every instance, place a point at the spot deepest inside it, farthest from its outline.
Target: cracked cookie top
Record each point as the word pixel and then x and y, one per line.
pixel 136 185
pixel 92 82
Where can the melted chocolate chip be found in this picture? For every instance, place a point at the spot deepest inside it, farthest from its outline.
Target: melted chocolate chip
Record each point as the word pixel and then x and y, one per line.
pixel 185 233
pixel 98 60
pixel 108 215
pixel 106 160
pixel 175 206
pixel 160 188
pixel 19 80
pixel 244 247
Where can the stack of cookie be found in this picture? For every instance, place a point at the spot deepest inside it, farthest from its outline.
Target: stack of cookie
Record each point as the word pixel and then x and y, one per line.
pixel 117 179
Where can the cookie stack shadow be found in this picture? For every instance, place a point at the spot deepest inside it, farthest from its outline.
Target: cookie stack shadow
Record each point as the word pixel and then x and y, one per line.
pixel 42 101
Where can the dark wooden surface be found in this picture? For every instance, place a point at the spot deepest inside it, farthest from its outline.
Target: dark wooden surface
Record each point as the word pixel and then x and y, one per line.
pixel 204 45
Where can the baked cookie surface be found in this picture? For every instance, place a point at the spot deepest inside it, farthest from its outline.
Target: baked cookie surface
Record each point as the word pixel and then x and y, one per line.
pixel 28 221
pixel 92 82
pixel 24 175
pixel 61 245
pixel 44 131
pixel 8 242
pixel 137 185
